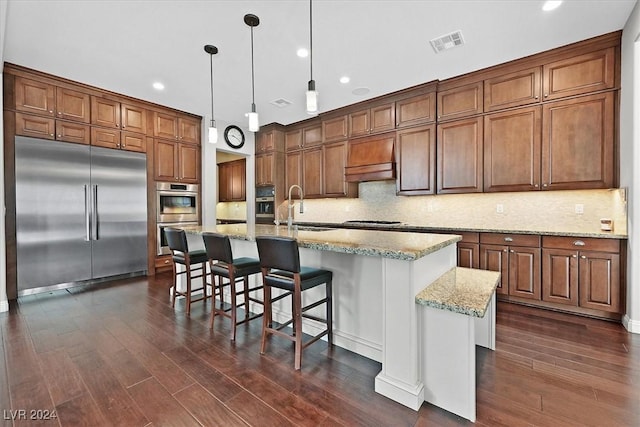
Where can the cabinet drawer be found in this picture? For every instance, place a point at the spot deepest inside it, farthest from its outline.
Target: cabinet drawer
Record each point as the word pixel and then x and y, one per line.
pixel 579 243
pixel 510 239
pixel 162 262
pixel 469 236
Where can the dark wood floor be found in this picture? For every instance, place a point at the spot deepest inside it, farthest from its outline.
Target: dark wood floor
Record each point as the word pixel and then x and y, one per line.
pixel 119 354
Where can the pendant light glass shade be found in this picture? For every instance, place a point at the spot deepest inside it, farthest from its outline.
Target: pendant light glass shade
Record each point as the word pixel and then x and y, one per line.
pixel 213 131
pixel 254 123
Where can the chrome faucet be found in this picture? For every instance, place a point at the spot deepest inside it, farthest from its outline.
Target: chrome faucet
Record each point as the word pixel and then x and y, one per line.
pixel 291 205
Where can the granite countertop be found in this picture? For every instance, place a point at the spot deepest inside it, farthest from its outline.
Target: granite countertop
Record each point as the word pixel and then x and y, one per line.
pixel 395 245
pixel 549 230
pixel 461 290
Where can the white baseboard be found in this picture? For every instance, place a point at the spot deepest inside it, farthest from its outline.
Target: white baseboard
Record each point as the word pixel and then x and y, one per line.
pixel 631 325
pixel 4 306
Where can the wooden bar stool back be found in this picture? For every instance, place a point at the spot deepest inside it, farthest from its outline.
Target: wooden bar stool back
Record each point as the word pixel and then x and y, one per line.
pixel 280 264
pixel 180 254
pixel 235 270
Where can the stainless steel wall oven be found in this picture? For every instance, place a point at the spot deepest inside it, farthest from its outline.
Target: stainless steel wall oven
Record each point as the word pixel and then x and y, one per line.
pixel 177 205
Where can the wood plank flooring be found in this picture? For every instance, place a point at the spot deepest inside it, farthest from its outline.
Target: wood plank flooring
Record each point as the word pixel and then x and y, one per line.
pixel 118 354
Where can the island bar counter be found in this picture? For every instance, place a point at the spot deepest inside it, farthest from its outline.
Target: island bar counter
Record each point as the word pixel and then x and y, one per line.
pixel 376 276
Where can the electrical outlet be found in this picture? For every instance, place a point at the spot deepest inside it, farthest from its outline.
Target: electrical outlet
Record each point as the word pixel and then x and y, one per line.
pixel 500 208
pixel 579 208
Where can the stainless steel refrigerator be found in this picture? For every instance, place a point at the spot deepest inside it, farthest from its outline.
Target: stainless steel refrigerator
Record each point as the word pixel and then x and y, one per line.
pixel 81 214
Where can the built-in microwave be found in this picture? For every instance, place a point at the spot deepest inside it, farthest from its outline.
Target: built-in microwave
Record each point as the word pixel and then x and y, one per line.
pixel 177 202
pixel 265 204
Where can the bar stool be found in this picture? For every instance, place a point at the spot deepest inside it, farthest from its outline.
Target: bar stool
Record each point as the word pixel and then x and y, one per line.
pixel 235 270
pixel 177 241
pixel 280 264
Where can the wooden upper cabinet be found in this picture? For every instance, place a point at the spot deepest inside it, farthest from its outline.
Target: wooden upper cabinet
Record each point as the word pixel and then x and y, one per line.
pixel 176 162
pixel 459 156
pixel 312 171
pixel 335 129
pixel 133 118
pixel 105 137
pixel 176 127
pixel 334 162
pixel 293 140
pixel 188 163
pixel 581 74
pixel 269 139
pixel 105 112
pixel 578 143
pixel 512 150
pixel 48 100
pixel 79 133
pixel 416 160
pixel 312 135
pixel 293 169
pixel 232 181
pixel 35 126
pixel 132 141
pixel 512 90
pixel 461 101
pixel 372 120
pixel 416 110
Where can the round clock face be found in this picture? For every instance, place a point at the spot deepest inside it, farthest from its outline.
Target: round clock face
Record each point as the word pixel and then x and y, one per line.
pixel 234 136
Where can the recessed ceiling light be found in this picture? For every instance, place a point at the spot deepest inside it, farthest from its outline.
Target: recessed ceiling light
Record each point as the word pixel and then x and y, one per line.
pixel 302 52
pixel 345 79
pixel 158 86
pixel 361 91
pixel 551 5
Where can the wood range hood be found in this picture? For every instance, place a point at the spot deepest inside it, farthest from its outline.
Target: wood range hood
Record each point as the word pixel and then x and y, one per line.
pixel 371 159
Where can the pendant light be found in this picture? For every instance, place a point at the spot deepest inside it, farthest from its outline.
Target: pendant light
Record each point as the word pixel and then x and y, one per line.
pixel 213 131
pixel 254 124
pixel 312 94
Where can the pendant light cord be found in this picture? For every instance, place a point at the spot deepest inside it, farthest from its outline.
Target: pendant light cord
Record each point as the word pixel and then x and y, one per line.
pixel 211 59
pixel 311 39
pixel 253 94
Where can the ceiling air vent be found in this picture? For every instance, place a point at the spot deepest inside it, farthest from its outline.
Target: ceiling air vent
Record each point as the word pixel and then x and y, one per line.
pixel 281 102
pixel 448 41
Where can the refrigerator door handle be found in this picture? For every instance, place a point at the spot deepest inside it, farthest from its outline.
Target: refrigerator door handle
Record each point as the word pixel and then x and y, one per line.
pixel 94 212
pixel 87 214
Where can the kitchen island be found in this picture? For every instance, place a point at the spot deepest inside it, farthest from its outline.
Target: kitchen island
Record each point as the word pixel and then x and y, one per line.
pixel 376 278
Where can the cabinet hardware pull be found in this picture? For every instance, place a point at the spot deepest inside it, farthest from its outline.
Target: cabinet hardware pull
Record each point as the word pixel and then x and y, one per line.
pixel 50 134
pixel 512 251
pixel 574 256
pixel 536 186
pixel 504 250
pixel 583 257
pixel 546 95
pixel 51 111
pixel 166 261
pixel 579 243
pixel 545 185
pixel 508 239
pixel 59 136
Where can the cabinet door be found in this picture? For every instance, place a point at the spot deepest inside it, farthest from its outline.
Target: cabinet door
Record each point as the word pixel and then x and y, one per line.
pixel 459 154
pixel 416 160
pixel 581 74
pixel 334 162
pixel 293 140
pixel 36 126
pixel 416 110
pixel 224 182
pixel 460 102
pixel 293 168
pixel 133 142
pixel 560 276
pixel 264 169
pixel 166 160
pixel 496 258
pixel 73 105
pixel 238 180
pixel 578 143
pixel 189 130
pixel 599 281
pixel 189 163
pixel 103 137
pixel 165 125
pixel 312 135
pixel 35 97
pixel 335 129
pixel 512 90
pixel 312 172
pixel 73 132
pixel 383 118
pixel 265 141
pixel 512 150
pixel 134 118
pixel 359 123
pixel 468 255
pixel 524 272
pixel 105 112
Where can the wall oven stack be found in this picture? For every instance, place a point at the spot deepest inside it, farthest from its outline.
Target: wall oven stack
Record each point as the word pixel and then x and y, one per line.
pixel 265 205
pixel 176 205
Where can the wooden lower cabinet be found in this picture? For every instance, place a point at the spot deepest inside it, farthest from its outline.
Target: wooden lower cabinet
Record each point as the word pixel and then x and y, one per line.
pixel 519 265
pixel 582 273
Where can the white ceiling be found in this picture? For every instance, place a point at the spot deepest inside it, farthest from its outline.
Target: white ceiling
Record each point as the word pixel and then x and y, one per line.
pixel 124 46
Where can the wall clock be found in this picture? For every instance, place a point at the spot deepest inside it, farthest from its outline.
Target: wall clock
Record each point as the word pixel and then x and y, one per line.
pixel 234 136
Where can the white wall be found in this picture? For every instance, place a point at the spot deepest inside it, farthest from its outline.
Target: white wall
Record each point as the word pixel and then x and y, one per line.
pixel 630 160
pixel 4 305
